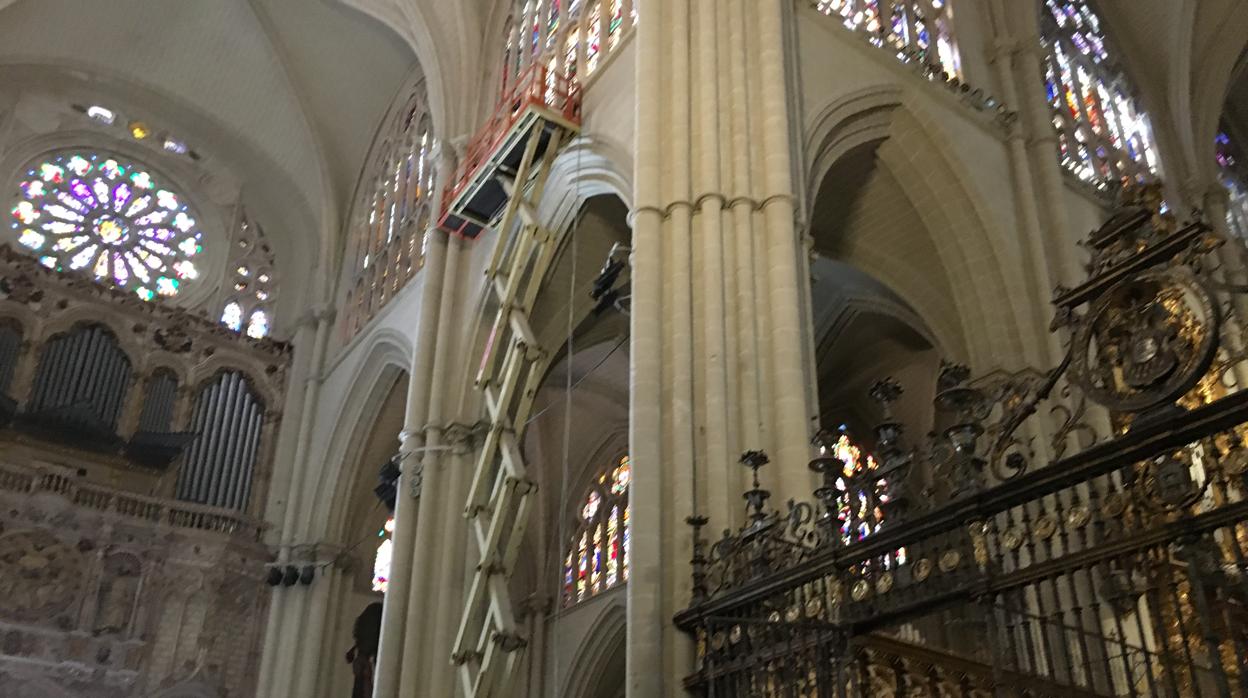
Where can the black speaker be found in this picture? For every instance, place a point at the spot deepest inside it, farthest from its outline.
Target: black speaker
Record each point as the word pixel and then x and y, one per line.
pixel 387 489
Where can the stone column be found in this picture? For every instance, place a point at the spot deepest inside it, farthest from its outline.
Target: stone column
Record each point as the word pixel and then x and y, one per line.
pixel 717 337
pixel 287 611
pixel 407 503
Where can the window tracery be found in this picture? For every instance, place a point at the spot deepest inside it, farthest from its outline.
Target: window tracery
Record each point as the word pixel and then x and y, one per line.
pixel 389 233
pixel 922 29
pixel 253 283
pixel 572 37
pixel 1103 135
pixel 110 217
pixel 597 556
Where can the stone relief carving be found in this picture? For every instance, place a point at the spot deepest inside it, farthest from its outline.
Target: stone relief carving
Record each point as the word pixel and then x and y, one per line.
pixel 39 575
pixel 119 588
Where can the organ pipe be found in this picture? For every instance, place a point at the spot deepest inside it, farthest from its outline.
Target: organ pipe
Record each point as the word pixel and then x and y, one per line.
pixel 243 486
pixel 157 414
pixel 83 368
pixel 220 464
pixel 225 462
pixel 207 436
pixel 189 472
pixel 234 458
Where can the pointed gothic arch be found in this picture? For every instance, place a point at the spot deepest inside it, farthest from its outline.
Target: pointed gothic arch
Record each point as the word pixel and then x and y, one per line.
pixel 877 125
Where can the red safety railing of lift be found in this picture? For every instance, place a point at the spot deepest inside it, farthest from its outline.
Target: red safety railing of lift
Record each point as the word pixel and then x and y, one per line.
pixel 538 87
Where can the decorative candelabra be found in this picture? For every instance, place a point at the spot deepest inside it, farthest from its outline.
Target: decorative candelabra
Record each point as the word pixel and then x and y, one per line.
pixel 966 406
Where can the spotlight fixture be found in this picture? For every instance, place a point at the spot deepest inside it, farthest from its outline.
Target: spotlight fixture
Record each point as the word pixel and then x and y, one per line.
pixel 387 488
pixel 307 575
pixel 606 292
pixel 290 576
pixel 275 576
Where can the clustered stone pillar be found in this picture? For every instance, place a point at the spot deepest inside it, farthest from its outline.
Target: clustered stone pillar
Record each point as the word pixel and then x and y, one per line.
pixel 717 338
pixel 286 649
pixel 424 600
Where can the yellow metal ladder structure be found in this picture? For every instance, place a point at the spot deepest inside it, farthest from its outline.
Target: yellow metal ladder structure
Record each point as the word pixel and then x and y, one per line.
pixel 488 646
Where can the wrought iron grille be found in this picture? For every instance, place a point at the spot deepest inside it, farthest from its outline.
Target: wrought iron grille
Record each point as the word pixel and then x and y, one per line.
pixel 1118 568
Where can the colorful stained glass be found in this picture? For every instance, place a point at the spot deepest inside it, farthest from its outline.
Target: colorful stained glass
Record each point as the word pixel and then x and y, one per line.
pixel 615 24
pixel 597 560
pixel 859 493
pixel 31 239
pixel 83 209
pixel 613 547
pixel 232 316
pixel 383 557
pixel 595 573
pixel 908 28
pixel 258 325
pixel 591 506
pixel 582 572
pixel 593 35
pixel 621 477
pixel 1103 136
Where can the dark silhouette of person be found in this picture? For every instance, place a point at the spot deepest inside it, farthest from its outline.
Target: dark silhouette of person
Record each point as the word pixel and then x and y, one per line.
pixel 363 656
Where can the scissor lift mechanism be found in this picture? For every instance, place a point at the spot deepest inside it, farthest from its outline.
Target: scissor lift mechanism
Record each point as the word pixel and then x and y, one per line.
pixel 498 185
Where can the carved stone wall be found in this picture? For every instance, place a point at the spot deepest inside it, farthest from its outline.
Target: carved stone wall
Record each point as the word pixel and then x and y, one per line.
pixel 95 601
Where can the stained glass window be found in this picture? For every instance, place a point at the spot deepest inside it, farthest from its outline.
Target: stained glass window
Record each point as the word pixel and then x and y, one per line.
pixel 861 493
pixel 915 29
pixel 381 562
pixel 858 504
pixel 394 212
pixel 232 316
pixel 569 36
pixel 597 557
pixel 1103 135
pixel 109 217
pixel 253 284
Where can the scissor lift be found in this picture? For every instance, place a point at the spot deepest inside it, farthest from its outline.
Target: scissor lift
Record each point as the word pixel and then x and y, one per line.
pixel 498 185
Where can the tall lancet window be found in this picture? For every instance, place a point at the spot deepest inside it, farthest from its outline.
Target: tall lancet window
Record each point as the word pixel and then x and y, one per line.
pixel 1103 134
pixel 597 554
pixel 915 29
pixel 109 217
pixel 392 213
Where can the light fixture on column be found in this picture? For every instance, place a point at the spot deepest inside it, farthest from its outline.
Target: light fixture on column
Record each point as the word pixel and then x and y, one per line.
pixel 605 291
pixel 388 482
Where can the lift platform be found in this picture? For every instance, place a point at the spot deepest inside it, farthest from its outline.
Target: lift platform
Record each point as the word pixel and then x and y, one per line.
pixel 534 111
pixel 499 185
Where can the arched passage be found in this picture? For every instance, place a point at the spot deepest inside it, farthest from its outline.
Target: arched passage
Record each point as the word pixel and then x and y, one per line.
pixel 887 198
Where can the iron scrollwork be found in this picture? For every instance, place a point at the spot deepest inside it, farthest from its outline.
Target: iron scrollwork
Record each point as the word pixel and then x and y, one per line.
pixel 1141 529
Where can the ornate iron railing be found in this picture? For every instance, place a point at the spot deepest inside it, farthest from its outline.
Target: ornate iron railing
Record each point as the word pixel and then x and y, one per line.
pixel 1116 570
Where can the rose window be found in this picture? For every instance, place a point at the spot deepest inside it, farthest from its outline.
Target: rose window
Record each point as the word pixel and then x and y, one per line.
pixel 108 217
